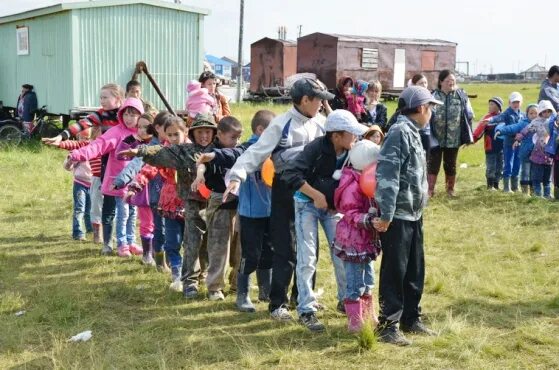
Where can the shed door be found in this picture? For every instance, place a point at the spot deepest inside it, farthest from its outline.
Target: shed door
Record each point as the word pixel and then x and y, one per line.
pixel 428 60
pixel 399 68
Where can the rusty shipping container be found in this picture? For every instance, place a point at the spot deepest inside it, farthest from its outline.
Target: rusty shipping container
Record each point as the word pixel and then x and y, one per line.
pixel 272 61
pixel 391 60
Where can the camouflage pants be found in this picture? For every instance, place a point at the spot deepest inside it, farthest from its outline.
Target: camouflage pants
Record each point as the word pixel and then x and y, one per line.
pixel 193 241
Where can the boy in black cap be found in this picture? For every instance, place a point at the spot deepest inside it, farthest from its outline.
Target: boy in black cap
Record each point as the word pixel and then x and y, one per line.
pixel 285 137
pixel 401 195
pixel 493 147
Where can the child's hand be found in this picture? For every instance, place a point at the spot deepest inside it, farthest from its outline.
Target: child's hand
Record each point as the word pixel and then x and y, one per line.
pixel 54 141
pixel 128 153
pixel 497 133
pixel 129 194
pixel 232 188
pixel 516 144
pixel 197 182
pixel 320 201
pixel 380 225
pixel 204 157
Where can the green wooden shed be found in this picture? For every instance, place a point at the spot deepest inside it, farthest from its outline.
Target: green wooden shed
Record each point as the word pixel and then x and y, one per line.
pixel 68 51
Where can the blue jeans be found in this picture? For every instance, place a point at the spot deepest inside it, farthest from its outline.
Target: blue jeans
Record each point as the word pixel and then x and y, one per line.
pixel 525 178
pixel 494 166
pixel 158 231
pixel 125 223
pixel 541 175
pixel 174 231
pixel 82 207
pixel 512 162
pixel 307 217
pixel 360 279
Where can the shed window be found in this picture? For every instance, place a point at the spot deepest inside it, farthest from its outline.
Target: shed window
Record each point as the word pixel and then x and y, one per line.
pixel 369 58
pixel 428 60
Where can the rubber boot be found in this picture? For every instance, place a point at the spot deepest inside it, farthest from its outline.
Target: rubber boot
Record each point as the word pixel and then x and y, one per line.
pixel 525 189
pixel 147 254
pixel 264 279
pixel 368 309
pixel 496 185
pixel 450 183
pixel 107 249
pixel 97 234
pixel 514 184
pixel 506 184
pixel 243 302
pixel 353 310
pixel 161 263
pixel 490 183
pixel 431 181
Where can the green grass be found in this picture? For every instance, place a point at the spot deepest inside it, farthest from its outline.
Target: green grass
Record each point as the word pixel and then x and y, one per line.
pixel 492 290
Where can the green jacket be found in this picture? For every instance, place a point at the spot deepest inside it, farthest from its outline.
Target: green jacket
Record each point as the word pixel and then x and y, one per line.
pixel 401 173
pixel 447 118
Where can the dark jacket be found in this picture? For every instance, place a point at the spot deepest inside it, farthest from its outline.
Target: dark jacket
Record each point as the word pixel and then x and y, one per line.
pixel 28 103
pixel 315 165
pixel 379 119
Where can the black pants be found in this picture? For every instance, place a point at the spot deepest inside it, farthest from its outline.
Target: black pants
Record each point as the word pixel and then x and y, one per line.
pixel 556 173
pixel 256 248
pixel 108 214
pixel 282 236
pixel 402 272
pixel 446 155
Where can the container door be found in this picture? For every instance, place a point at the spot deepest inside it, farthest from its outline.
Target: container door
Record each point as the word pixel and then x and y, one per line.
pixel 399 68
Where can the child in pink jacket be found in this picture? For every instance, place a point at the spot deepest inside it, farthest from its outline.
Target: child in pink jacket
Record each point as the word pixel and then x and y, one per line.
pixel 357 243
pixel 128 116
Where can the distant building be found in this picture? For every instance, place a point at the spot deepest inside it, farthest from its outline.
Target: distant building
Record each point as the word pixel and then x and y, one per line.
pixel 68 51
pixel 271 62
pixel 535 72
pixel 221 67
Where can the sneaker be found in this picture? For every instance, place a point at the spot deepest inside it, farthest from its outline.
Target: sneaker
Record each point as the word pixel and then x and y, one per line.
pixel 391 334
pixel 124 252
pixel 417 327
pixel 340 307
pixel 135 249
pixel 311 322
pixel 191 292
pixel 216 295
pixel 107 250
pixel 148 260
pixel 176 285
pixel 79 238
pixel 281 314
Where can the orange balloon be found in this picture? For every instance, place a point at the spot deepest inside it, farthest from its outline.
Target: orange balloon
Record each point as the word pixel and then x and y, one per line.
pixel 368 180
pixel 268 172
pixel 204 191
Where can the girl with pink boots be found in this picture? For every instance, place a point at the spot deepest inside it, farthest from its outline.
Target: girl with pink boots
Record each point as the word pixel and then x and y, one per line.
pixel 357 243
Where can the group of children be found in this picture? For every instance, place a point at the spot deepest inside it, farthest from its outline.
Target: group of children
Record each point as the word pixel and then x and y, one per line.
pixel 193 185
pixel 520 147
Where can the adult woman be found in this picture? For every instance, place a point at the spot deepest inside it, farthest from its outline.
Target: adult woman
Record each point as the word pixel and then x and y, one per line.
pixel 451 126
pixel 342 91
pixel 27 105
pixel 209 81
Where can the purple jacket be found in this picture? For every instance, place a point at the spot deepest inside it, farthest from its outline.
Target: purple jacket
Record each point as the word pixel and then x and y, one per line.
pixel 356 240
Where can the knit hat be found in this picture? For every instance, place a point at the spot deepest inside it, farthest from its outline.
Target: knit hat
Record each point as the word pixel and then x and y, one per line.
pixel 363 153
pixel 199 100
pixel 498 101
pixel 27 86
pixel 545 105
pixel 515 96
pixel 203 121
pixel 372 129
pixel 360 87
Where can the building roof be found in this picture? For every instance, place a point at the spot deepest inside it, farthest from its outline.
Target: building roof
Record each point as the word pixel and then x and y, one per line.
pixel 217 61
pixel 285 42
pixel 98 4
pixel 535 68
pixel 386 40
pixel 227 59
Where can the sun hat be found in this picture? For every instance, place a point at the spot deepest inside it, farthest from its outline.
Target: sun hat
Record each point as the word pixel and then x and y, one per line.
pixel 203 121
pixel 371 130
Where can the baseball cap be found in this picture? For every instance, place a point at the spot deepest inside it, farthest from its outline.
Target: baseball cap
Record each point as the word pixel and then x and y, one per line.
pixel 498 101
pixel 415 96
pixel 515 96
pixel 343 120
pixel 311 88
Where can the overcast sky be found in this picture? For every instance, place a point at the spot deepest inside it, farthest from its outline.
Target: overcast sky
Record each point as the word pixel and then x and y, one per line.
pixel 493 36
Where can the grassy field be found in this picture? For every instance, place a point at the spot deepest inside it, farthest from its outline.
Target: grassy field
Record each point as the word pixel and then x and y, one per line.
pixel 492 286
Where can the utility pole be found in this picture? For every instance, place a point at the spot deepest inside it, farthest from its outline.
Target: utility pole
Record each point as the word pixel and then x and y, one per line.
pixel 240 56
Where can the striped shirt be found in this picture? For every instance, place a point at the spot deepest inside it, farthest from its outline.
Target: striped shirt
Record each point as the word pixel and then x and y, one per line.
pixel 102 118
pixel 70 145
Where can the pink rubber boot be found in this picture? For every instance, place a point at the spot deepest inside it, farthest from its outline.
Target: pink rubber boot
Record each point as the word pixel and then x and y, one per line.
pixel 353 310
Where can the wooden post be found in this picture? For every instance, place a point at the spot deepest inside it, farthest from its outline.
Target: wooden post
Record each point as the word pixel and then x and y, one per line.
pixel 240 56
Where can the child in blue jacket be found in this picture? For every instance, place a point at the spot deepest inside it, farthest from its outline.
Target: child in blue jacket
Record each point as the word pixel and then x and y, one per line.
pixel 510 116
pixel 525 147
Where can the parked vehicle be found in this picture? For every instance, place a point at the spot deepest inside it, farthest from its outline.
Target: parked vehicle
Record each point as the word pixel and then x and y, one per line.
pixel 12 130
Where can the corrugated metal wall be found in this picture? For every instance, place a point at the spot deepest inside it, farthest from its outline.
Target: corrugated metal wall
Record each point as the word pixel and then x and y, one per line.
pixel 46 67
pixel 110 40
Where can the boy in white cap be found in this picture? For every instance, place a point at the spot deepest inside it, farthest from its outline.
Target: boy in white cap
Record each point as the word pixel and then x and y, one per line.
pixel 510 116
pixel 401 195
pixel 311 177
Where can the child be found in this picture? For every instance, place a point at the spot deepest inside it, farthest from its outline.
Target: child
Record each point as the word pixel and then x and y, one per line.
pixel 343 90
pixel 221 107
pixel 199 100
pixel 526 145
pixel 375 112
pixel 219 215
pixel 357 243
pixel 401 195
pixel 510 116
pixel 134 90
pixel 311 176
pixel 374 134
pixel 356 100
pixel 106 144
pixel 181 158
pixel 541 162
pixel 493 147
pixel 82 182
pixel 126 206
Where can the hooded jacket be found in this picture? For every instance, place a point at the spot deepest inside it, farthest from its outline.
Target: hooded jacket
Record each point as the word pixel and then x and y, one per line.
pixel 106 144
pixel 508 117
pixel 340 100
